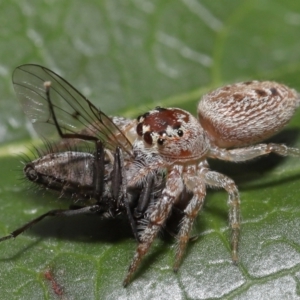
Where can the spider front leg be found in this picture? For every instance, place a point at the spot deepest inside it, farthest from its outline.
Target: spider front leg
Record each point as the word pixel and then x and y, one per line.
pixel 193 183
pixel 219 180
pixel 174 186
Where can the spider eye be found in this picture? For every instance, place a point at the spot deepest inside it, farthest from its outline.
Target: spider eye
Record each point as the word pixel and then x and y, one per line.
pixel 139 129
pixel 180 132
pixel 160 141
pixel 148 138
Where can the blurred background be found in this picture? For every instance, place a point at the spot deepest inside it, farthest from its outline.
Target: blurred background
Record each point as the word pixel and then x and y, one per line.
pixel 126 57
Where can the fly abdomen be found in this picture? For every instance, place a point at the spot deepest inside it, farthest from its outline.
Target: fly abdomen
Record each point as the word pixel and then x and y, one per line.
pixel 67 172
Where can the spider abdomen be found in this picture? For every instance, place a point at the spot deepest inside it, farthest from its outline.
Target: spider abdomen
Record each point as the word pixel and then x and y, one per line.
pixel 246 113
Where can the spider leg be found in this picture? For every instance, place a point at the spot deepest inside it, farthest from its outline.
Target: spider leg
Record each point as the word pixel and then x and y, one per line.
pixel 157 218
pixel 140 173
pixel 219 180
pixel 247 153
pixel 191 212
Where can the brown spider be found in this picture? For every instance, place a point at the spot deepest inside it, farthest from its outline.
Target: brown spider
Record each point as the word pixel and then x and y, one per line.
pixel 231 120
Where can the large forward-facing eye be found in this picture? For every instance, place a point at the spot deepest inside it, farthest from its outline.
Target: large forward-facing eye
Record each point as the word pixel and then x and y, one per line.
pixel 180 133
pixel 160 141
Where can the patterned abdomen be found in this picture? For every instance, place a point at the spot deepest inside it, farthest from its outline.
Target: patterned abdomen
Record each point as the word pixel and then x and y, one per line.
pixel 246 113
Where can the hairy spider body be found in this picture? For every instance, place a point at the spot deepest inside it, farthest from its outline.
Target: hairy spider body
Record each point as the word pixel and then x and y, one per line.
pixel 234 116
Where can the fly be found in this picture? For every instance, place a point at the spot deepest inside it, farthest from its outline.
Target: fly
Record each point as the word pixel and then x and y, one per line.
pixel 56 108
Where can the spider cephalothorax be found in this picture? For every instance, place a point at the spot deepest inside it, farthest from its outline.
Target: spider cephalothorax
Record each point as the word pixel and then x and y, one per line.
pixel 172 133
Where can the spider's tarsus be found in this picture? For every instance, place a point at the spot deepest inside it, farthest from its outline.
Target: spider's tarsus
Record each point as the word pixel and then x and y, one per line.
pixel 235 262
pixel 126 281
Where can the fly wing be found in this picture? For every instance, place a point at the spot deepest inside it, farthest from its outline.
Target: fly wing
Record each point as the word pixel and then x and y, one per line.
pixel 73 112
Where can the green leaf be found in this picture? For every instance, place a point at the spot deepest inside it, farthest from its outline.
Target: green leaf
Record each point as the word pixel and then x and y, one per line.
pixel 126 57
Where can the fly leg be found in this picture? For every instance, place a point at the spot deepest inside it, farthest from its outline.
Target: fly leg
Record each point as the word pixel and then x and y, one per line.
pixel 99 171
pixel 145 197
pixel 81 136
pixel 119 190
pixel 52 213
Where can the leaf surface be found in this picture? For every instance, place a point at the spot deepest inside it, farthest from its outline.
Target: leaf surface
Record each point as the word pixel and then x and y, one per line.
pixel 126 57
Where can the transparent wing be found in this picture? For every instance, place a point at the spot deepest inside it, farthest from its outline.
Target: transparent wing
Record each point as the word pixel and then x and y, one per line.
pixel 73 112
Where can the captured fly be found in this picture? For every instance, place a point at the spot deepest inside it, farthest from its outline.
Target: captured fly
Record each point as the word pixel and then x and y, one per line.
pixel 56 108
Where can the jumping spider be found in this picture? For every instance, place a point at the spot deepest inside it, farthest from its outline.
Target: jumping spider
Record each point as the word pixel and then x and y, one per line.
pixel 169 142
pixel 232 120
